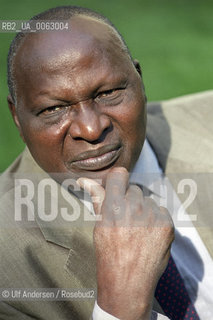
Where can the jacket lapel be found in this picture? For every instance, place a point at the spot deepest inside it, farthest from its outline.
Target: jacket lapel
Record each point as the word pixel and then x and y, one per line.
pixel 71 225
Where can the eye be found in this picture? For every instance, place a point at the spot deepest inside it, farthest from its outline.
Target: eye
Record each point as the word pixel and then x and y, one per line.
pixel 107 93
pixel 52 110
pixel 111 97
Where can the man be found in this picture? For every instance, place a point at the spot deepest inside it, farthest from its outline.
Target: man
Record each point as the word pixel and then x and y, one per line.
pixel 78 101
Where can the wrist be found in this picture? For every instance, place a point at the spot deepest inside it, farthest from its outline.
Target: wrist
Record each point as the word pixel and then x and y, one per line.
pixel 125 308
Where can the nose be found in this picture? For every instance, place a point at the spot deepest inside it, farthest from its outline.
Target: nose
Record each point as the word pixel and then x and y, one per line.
pixel 89 123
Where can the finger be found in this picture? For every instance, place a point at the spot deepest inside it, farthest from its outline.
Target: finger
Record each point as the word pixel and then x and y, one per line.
pixel 134 193
pixel 135 210
pixel 117 182
pixel 116 185
pixel 95 190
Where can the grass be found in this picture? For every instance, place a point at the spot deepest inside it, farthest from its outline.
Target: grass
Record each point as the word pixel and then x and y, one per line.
pixel 172 40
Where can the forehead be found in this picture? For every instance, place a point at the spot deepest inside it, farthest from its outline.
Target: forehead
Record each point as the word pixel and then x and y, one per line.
pixel 86 36
pixel 89 53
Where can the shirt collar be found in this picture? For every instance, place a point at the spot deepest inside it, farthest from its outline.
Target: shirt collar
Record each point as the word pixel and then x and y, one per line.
pixel 147 171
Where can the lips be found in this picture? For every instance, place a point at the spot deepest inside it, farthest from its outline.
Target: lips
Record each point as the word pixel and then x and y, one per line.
pixel 97 159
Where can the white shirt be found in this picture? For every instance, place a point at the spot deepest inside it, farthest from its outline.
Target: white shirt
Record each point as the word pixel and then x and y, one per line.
pixel 189 253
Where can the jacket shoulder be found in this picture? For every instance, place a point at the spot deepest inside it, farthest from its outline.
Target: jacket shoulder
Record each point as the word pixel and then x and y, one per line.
pixel 180 132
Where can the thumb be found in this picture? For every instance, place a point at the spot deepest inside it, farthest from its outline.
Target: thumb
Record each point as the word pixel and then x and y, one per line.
pixel 95 190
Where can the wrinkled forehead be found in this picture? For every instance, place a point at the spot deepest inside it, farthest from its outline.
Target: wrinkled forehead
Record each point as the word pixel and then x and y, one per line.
pixel 85 35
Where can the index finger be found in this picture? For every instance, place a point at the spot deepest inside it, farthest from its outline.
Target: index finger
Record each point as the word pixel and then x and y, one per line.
pixel 115 192
pixel 117 183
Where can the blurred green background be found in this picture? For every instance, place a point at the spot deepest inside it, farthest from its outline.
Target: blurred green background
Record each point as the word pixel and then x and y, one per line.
pixel 172 39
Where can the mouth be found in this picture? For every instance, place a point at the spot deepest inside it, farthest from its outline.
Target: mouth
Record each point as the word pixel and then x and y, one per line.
pixel 99 159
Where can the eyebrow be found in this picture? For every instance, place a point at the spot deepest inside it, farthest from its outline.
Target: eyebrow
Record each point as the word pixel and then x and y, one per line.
pixel 113 83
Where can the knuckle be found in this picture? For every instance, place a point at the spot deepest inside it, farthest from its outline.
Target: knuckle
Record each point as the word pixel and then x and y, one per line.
pixel 135 188
pixel 164 210
pixel 149 202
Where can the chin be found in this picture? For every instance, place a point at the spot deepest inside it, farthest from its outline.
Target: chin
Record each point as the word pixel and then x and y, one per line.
pixel 99 176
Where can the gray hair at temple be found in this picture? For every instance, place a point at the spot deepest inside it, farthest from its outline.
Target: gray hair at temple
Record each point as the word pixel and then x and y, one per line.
pixel 58 13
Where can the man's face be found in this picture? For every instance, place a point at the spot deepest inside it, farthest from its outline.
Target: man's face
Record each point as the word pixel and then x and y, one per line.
pixel 80 103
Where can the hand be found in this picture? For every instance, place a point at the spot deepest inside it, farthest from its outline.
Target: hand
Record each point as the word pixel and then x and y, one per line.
pixel 132 243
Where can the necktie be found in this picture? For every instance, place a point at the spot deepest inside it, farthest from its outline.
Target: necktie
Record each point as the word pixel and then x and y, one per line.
pixel 172 295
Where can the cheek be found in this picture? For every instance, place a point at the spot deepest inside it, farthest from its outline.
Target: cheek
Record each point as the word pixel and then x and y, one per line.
pixel 45 143
pixel 42 138
pixel 133 119
pixel 134 129
pixel 44 135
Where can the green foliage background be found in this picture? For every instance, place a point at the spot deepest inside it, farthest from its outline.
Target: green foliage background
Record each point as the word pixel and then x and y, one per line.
pixel 172 39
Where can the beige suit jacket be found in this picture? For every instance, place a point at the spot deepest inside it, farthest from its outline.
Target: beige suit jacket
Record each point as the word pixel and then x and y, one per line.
pixel 57 255
pixel 181 133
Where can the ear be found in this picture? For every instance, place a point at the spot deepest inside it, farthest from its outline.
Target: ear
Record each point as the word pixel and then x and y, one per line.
pixel 13 111
pixel 137 66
